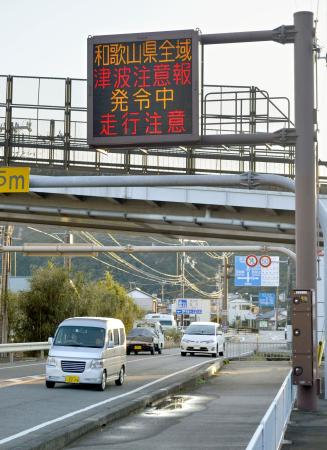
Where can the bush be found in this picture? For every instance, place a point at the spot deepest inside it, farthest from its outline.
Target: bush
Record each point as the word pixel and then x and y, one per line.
pixel 173 337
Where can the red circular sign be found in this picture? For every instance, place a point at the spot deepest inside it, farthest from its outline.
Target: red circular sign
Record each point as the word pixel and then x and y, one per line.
pixel 265 261
pixel 251 260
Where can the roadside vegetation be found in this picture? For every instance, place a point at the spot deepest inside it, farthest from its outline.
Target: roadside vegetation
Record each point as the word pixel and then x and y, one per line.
pixel 173 338
pixel 57 294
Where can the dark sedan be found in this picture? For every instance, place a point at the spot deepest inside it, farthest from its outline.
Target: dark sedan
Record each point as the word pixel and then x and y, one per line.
pixel 141 340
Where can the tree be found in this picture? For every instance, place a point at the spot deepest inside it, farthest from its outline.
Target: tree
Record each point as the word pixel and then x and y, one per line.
pixel 54 296
pixel 107 298
pixel 51 299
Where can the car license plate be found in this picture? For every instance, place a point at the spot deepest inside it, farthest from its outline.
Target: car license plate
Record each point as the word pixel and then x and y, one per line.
pixel 138 347
pixel 72 379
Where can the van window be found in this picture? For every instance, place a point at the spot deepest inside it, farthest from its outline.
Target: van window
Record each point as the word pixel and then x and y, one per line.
pixel 80 336
pixel 116 337
pixel 122 336
pixel 110 336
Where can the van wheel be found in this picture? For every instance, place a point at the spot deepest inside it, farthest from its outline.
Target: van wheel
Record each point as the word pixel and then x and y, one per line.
pixel 214 355
pixel 50 384
pixel 152 351
pixel 183 353
pixel 159 350
pixel 223 351
pixel 102 385
pixel 121 378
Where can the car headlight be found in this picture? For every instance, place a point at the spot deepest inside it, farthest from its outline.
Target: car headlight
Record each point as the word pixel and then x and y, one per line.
pixel 96 364
pixel 51 361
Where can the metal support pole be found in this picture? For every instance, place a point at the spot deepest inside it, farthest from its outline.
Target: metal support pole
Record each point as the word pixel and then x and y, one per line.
pixel 67 122
pixel 225 291
pixel 305 181
pixel 323 224
pixel 8 122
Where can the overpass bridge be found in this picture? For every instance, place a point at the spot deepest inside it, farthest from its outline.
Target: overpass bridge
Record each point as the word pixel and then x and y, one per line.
pixel 198 212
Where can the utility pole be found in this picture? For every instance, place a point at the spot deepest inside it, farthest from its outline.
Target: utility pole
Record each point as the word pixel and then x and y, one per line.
pixel 162 292
pixel 68 239
pixel 5 268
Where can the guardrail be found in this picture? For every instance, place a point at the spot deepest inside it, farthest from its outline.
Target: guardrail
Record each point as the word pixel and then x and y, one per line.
pixel 270 432
pixel 23 347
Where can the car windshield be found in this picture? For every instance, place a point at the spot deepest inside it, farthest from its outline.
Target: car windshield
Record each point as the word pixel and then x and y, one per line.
pixel 200 329
pixel 140 332
pixel 166 322
pixel 80 336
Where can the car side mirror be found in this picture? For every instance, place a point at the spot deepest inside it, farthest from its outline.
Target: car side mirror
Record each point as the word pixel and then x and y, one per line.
pixel 50 340
pixel 111 344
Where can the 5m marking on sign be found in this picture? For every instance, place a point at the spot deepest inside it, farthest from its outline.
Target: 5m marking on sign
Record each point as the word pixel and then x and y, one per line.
pixel 14 179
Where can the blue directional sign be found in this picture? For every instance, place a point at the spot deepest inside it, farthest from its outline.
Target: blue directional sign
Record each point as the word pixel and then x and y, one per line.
pixel 267 299
pixel 257 275
pixel 245 275
pixel 188 311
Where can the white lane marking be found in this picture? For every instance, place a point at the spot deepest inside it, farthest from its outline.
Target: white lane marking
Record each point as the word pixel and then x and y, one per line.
pixel 43 363
pixel 15 381
pixel 95 405
pixel 22 365
pixel 150 359
pixel 28 377
pixel 37 376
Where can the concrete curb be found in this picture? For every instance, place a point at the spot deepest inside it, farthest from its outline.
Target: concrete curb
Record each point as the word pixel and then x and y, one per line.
pixel 58 439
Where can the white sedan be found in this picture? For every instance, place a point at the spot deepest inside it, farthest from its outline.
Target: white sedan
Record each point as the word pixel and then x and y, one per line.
pixel 203 337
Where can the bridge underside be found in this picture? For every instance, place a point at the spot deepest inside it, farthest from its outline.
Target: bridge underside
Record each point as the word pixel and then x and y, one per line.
pixel 223 214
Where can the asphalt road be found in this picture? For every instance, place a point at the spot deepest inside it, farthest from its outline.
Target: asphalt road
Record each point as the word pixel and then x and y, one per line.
pixel 26 406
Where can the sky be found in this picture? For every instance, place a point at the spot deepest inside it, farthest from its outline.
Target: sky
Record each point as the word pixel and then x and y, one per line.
pixel 49 38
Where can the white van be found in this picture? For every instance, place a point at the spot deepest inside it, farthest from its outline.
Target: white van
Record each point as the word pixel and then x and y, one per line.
pixel 89 350
pixel 167 321
pixel 203 337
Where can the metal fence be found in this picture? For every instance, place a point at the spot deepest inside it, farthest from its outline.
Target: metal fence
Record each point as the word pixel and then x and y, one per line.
pixel 271 430
pixel 238 348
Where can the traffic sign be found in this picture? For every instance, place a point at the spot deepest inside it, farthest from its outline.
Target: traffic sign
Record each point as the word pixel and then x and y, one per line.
pixel 265 261
pixel 267 299
pixel 257 275
pixel 182 303
pixel 14 179
pixel 246 275
pixel 188 311
pixel 251 260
